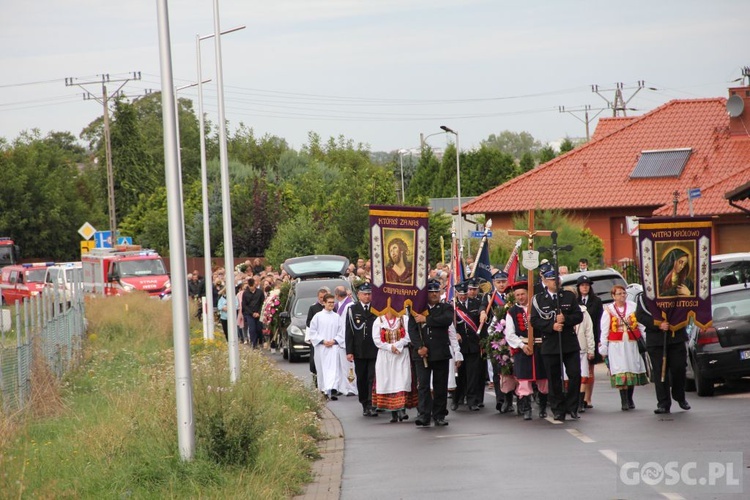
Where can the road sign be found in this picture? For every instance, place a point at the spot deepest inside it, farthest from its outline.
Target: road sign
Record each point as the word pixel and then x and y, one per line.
pixel 694 193
pixel 87 246
pixel 479 234
pixel 124 240
pixel 103 239
pixel 87 231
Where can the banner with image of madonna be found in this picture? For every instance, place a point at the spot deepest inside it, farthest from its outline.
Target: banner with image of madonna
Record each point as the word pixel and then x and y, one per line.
pixel 676 269
pixel 398 255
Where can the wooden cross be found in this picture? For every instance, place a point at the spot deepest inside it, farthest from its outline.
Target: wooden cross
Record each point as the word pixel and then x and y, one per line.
pixel 530 233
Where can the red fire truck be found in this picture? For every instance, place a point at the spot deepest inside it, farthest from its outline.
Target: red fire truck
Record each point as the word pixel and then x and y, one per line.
pixel 123 269
pixel 22 281
pixel 9 252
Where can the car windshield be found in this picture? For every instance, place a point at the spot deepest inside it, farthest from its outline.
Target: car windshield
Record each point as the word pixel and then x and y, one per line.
pixel 730 304
pixel 303 305
pixel 729 273
pixel 36 275
pixel 74 274
pixel 145 267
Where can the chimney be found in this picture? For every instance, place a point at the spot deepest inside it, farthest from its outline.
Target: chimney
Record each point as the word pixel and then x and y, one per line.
pixel 738 109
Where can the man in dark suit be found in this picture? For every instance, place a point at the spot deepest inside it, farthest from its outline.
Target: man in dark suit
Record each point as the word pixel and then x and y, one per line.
pixel 360 347
pixel 554 314
pixel 467 324
pixel 431 353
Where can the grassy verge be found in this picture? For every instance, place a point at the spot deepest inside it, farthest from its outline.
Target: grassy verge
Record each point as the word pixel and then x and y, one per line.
pixel 113 433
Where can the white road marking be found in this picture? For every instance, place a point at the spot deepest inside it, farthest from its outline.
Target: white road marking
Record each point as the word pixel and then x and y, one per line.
pixel 584 438
pixel 610 455
pixel 553 421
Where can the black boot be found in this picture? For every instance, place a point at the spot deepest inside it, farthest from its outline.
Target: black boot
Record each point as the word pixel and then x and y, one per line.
pixel 525 403
pixel 394 417
pixel 624 399
pixel 631 404
pixel 542 405
pixel 581 403
pixel 519 406
pixel 507 403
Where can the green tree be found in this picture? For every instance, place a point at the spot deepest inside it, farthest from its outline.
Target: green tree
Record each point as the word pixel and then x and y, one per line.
pixel 566 145
pixel 295 237
pixel 43 199
pixel 546 154
pixel 570 231
pixel 513 143
pixel 420 186
pixel 527 162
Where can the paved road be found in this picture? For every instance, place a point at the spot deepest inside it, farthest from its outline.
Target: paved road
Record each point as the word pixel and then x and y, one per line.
pixel 488 455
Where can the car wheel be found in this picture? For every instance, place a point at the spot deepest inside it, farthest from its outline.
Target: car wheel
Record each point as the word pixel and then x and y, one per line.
pixel 704 386
pixel 293 357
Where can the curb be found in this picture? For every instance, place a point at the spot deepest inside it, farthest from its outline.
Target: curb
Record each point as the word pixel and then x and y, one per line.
pixel 327 471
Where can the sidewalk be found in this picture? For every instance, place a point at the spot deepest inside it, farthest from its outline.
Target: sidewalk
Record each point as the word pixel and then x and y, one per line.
pixel 327 471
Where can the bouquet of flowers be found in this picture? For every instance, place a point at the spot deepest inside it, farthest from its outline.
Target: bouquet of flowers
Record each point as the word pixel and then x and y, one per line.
pixel 496 346
pixel 271 310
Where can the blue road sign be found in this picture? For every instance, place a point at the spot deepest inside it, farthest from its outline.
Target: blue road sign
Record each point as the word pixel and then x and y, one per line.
pixel 479 234
pixel 694 193
pixel 103 239
pixel 125 240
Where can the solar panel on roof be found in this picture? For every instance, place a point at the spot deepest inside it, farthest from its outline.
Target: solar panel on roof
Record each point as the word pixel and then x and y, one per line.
pixel 663 163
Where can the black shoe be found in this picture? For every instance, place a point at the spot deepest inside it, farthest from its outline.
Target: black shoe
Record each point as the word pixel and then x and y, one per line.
pixel 334 398
pixel 454 406
pixel 372 412
pixel 684 405
pixel 559 417
pixel 473 408
pixel 507 405
pixel 440 422
pixel 422 421
pixel 660 410
pixel 581 404
pixel 631 403
pixel 624 400
pixel 394 417
pixel 402 416
pixel 499 407
pixel 574 415
pixel 542 405
pixel 589 406
pixel 481 405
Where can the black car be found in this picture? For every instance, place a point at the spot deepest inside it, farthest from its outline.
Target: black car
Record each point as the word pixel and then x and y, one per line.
pixel 722 351
pixel 602 281
pixel 310 274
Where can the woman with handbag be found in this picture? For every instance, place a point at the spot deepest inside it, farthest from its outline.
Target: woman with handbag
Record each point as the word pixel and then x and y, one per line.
pixel 619 346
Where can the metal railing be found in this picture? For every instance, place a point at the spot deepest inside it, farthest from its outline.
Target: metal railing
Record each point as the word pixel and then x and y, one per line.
pixel 50 325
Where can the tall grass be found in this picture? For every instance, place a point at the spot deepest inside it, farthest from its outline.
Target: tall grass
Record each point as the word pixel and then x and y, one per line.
pixel 114 432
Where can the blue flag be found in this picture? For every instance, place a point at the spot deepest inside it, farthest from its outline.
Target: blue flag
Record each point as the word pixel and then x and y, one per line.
pixel 483 268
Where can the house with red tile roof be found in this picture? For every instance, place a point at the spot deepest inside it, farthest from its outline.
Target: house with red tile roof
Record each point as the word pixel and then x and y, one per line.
pixel 644 166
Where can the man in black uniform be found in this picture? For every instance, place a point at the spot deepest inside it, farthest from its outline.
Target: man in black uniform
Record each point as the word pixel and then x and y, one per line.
pixel 360 348
pixel 554 314
pixel 595 308
pixel 657 330
pixel 475 300
pixel 430 341
pixel 467 321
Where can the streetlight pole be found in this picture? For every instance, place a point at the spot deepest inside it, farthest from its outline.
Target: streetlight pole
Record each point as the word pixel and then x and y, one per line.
pixel 207 271
pixel 458 187
pixel 401 153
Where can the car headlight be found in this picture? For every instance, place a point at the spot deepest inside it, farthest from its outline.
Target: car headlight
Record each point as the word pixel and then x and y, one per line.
pixel 127 287
pixel 296 331
pixel 167 285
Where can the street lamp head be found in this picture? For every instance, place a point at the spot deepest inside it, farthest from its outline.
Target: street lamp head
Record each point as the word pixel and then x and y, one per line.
pixel 448 129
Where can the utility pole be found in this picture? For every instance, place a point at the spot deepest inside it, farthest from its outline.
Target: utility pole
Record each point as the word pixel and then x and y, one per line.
pixel 69 82
pixel 586 120
pixel 619 105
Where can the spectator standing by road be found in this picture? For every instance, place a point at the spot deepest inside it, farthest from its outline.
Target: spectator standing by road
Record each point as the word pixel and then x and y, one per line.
pixel 252 304
pixel 594 307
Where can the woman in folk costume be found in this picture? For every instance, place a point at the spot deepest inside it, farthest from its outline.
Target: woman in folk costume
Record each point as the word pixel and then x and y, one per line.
pixel 394 387
pixel 326 333
pixel 619 346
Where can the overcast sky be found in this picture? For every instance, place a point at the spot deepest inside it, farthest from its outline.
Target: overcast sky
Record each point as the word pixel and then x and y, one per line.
pixel 377 71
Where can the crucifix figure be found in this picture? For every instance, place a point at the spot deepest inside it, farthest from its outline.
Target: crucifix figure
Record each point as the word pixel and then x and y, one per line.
pixel 530 233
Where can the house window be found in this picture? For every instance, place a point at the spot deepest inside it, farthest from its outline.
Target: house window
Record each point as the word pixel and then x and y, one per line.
pixel 661 163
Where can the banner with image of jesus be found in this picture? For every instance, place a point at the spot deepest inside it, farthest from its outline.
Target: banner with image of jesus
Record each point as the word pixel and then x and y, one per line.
pixel 398 255
pixel 676 269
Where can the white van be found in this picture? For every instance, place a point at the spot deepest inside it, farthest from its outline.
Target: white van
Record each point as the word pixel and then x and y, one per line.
pixel 64 277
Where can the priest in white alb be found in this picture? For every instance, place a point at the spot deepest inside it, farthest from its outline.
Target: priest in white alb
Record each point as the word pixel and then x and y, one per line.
pixel 326 333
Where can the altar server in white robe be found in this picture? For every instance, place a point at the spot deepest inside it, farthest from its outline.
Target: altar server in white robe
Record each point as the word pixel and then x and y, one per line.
pixel 326 334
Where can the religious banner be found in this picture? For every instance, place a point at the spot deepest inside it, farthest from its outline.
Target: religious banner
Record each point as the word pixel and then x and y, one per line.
pixel 676 269
pixel 398 246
